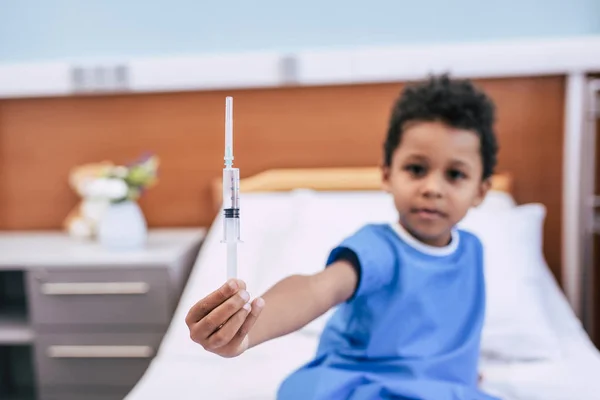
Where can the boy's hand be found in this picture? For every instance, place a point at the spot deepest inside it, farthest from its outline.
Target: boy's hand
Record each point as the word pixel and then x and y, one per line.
pixel 220 322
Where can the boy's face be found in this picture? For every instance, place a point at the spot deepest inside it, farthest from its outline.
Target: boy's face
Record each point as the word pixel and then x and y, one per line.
pixel 435 177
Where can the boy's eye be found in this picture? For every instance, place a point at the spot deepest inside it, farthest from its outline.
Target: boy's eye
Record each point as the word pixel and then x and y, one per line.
pixel 415 169
pixel 455 174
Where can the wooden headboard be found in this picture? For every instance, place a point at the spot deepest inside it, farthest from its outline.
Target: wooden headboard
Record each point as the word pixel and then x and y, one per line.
pixel 292 127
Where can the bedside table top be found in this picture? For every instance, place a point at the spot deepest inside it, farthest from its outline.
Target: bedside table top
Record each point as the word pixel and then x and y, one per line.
pixel 30 249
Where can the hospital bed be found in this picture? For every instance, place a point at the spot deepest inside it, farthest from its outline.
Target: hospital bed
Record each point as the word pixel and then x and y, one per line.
pixel 533 346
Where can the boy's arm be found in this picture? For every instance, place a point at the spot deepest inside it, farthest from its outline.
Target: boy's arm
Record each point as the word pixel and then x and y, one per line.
pixel 297 300
pixel 225 323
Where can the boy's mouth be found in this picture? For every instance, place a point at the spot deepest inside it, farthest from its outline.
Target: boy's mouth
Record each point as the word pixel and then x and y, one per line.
pixel 428 213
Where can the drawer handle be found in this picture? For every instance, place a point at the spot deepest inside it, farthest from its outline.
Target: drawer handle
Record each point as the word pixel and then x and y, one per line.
pixel 94 288
pixel 100 351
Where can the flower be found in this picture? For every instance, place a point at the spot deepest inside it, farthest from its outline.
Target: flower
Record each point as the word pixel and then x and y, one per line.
pixel 119 171
pixel 109 188
pixel 116 183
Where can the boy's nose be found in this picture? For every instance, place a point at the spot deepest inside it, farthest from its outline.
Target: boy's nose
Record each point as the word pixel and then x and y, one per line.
pixel 433 186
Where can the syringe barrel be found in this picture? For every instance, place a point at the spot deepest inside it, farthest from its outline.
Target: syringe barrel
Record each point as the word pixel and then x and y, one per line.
pixel 231 205
pixel 231 188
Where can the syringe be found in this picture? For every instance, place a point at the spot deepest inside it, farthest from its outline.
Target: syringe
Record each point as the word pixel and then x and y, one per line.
pixel 231 200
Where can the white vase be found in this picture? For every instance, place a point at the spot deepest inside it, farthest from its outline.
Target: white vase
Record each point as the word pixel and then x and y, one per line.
pixel 123 227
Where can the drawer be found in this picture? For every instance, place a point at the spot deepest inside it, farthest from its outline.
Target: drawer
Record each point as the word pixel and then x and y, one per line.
pixel 100 296
pixel 108 360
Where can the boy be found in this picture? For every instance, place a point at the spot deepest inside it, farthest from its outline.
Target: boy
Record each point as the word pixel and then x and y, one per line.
pixel 411 295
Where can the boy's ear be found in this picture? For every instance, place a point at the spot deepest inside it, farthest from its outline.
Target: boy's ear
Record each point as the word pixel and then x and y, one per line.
pixel 483 188
pixel 385 178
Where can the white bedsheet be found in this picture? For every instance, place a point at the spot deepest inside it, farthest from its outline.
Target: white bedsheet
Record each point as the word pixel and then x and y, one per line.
pixel 201 375
pixel 183 370
pixel 255 375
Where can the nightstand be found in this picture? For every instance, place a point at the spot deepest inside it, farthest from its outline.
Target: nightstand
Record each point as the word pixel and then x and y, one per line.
pixel 81 322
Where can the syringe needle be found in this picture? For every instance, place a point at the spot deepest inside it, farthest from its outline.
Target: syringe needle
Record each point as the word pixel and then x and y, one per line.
pixel 228 131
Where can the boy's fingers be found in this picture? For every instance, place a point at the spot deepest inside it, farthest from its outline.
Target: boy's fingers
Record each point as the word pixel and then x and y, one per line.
pixel 219 316
pixel 225 333
pixel 257 307
pixel 203 307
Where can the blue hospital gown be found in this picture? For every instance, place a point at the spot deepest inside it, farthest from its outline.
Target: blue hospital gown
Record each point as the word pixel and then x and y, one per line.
pixel 411 330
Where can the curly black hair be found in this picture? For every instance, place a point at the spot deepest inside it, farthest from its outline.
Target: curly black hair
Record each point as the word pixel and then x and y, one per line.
pixel 457 103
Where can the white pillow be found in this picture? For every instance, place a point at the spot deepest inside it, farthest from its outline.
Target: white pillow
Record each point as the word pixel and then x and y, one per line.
pixel 497 199
pixel 516 326
pixel 324 219
pixel 501 229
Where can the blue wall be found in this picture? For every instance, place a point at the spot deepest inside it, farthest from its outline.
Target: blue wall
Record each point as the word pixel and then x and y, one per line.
pixel 57 29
